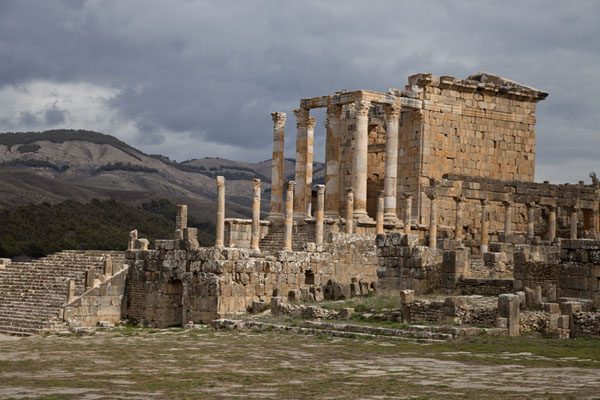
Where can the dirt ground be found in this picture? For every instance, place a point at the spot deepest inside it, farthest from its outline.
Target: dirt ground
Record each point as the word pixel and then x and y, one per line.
pixel 177 364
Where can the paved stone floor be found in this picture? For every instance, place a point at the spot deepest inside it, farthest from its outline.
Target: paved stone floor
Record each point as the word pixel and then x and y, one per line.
pixel 142 364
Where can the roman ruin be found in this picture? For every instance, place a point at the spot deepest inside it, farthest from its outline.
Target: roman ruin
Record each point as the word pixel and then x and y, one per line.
pixel 428 190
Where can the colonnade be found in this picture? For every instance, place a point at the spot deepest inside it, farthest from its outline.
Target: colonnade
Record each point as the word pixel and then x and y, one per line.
pixel 305 125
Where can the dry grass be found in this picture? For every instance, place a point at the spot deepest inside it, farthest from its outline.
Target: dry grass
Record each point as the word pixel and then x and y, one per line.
pixel 175 364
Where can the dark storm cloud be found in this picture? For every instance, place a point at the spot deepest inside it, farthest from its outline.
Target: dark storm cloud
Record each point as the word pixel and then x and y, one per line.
pixel 215 70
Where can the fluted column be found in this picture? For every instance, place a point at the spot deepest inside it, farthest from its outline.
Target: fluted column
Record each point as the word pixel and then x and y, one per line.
pixel 458 223
pixel 530 220
pixel 507 218
pixel 551 223
pixel 485 238
pixel 332 161
pixel 407 212
pixel 220 228
pixel 360 160
pixel 277 167
pixel 319 214
pixel 349 210
pixel 574 222
pixel 302 122
pixel 255 232
pixel 289 216
pixel 380 213
pixel 432 221
pixel 392 118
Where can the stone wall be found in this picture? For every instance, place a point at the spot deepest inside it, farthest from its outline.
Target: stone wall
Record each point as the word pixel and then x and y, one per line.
pixel 579 269
pixel 484 287
pixel 102 303
pixel 535 266
pixel 475 188
pixel 586 324
pixel 171 285
pixel 404 265
pixel 237 232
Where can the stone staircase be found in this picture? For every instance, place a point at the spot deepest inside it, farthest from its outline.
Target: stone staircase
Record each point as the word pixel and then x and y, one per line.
pixel 32 293
pixel 274 240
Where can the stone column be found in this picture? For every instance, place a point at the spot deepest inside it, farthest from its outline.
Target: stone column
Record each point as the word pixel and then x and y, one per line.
pixel 458 227
pixel 380 213
pixel 596 222
pixel 349 210
pixel 574 222
pixel 530 220
pixel 289 216
pixel 277 167
pixel 360 160
pixel 332 161
pixel 310 142
pixel 319 214
pixel 70 290
pixel 220 228
pixel 302 119
pixel 485 238
pixel 255 232
pixel 507 218
pixel 133 237
pixel 551 223
pixel 432 221
pixel 392 118
pixel 407 212
pixel 182 217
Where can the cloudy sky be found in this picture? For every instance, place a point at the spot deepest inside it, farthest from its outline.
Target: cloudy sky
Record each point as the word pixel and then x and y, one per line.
pixel 190 79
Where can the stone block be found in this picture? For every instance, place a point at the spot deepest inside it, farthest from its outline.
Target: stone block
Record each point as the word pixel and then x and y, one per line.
pixel 501 323
pixel 407 296
pixel 508 307
pixel 552 322
pixel 551 308
pixel 346 313
pixel 563 322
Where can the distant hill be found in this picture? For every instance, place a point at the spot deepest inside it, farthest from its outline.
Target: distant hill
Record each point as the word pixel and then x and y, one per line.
pixel 59 165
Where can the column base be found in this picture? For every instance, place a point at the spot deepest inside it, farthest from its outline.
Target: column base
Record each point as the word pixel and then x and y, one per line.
pixel 331 215
pixel 276 219
pixel 363 217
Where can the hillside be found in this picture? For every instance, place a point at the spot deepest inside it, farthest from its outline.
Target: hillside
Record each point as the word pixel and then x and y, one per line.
pixel 59 165
pixel 35 230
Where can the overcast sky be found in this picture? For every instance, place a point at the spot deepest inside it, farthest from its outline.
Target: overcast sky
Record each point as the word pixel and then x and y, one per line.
pixel 191 79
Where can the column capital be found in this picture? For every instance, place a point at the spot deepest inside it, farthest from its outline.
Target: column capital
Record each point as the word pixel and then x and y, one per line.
pixel 531 204
pixel 278 119
pixel 459 199
pixel 320 189
pixel 349 190
pixel 484 202
pixel 256 184
pixel 392 111
pixel 362 107
pixel 311 122
pixel 220 181
pixel 551 207
pixel 302 115
pixel 432 195
pixel 290 185
pixel 507 203
pixel 407 195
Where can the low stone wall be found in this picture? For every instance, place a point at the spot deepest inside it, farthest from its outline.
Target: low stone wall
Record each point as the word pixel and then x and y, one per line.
pixel 586 324
pixel 535 266
pixel 237 232
pixel 102 303
pixel 404 265
pixel 484 287
pixel 173 285
pixel 579 270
